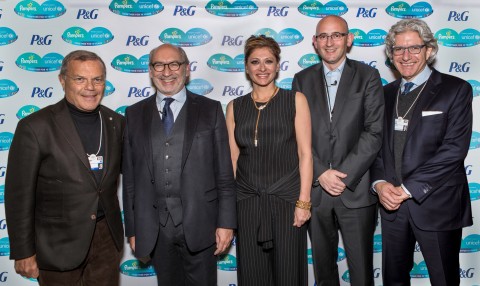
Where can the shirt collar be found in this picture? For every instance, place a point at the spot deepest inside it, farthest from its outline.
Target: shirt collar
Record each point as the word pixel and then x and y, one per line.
pixel 420 78
pixel 339 69
pixel 180 97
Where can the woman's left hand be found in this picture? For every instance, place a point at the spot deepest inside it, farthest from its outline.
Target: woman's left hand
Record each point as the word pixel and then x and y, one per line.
pixel 300 217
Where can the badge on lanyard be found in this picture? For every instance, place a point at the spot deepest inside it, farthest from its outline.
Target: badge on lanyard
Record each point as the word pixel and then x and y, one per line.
pixel 96 162
pixel 401 124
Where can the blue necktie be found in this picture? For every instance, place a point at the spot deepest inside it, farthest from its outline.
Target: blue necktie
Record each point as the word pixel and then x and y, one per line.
pixel 407 87
pixel 167 115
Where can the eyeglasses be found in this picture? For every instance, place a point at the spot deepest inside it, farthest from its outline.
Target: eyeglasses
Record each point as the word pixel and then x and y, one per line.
pixel 80 80
pixel 334 36
pixel 173 66
pixel 398 51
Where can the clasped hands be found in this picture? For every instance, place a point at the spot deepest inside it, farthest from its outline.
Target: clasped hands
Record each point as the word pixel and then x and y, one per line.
pixel 390 197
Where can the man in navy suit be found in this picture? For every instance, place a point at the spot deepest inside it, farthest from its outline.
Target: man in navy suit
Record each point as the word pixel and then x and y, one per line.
pixel 419 174
pixel 178 187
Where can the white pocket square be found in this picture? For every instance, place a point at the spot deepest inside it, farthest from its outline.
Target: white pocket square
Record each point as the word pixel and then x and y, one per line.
pixel 429 113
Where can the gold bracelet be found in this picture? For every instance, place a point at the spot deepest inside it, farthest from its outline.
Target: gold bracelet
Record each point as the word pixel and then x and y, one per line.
pixel 303 205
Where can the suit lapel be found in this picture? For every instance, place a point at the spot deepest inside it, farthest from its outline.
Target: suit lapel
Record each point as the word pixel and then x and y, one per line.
pixel 109 133
pixel 342 91
pixel 319 104
pixel 150 110
pixel 193 111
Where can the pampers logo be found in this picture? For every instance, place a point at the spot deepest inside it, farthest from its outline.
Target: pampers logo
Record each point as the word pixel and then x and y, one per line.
pixel 475 86
pixel 375 37
pixel 109 88
pixel 33 62
pixel 130 64
pixel 136 268
pixel 316 9
pixel 286 37
pixel 285 83
pixel 225 63
pixel 475 141
pixel 140 8
pixel 121 110
pixel 80 37
pixel 346 276
pixel 450 38
pixel 5 140
pixel 474 191
pixel 7 88
pixel 7 36
pixel 199 86
pixel 192 38
pixel 377 243
pixel 470 244
pixel 419 270
pixel 26 111
pixel 341 254
pixel 4 246
pixel 48 10
pixel 227 262
pixel 238 8
pixel 308 60
pixel 402 10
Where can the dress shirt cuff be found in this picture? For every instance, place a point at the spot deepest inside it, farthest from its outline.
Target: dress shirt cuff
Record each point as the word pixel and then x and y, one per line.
pixel 374 183
pixel 406 191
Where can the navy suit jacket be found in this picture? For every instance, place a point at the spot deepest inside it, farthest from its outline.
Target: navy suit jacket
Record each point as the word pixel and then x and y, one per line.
pixel 207 184
pixel 434 152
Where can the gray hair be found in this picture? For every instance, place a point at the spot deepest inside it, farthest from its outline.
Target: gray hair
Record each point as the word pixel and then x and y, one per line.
pixel 181 51
pixel 81 55
pixel 415 25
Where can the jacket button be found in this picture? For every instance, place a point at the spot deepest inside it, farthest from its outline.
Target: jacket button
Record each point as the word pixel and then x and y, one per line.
pixel 93 217
pixel 152 181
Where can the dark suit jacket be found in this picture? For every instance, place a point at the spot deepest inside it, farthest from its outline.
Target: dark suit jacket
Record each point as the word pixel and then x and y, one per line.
pixel 51 195
pixel 352 140
pixel 433 157
pixel 207 184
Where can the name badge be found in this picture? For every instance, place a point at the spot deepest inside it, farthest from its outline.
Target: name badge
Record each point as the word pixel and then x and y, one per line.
pixel 401 124
pixel 96 162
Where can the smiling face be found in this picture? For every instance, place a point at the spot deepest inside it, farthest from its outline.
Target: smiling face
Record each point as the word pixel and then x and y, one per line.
pixel 85 96
pixel 168 82
pixel 262 66
pixel 332 52
pixel 410 65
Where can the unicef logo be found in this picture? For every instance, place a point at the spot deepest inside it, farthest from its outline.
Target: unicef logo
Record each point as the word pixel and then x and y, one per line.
pixel 286 37
pixel 121 110
pixel 5 140
pixel 377 243
pixel 4 246
pixel 238 8
pixel 316 9
pixel 227 262
pixel 7 88
pixel 375 37
pixel 450 38
pixel 475 140
pixel 7 36
pixel 474 191
pixel 26 111
pixel 48 10
pixel 346 276
pixel 80 37
pixel 225 63
pixel 192 38
pixel 136 268
pixel 285 83
pixel 402 10
pixel 109 88
pixel 475 86
pixel 308 60
pixel 419 270
pixel 200 86
pixel 35 63
pixel 130 64
pixel 470 244
pixel 140 8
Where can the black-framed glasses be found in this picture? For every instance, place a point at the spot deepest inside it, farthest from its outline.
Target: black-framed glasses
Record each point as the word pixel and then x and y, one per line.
pixel 80 80
pixel 334 36
pixel 416 49
pixel 173 66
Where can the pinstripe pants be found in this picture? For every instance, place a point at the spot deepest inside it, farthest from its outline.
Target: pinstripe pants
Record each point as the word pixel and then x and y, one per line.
pixel 283 265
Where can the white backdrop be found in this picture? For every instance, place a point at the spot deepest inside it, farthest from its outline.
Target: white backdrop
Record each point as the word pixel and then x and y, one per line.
pixel 36 35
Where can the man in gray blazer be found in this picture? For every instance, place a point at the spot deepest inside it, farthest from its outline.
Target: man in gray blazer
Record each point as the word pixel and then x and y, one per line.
pixel 178 186
pixel 61 202
pixel 346 106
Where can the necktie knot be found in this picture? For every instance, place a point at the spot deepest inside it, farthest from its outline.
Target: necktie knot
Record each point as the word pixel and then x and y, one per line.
pixel 407 87
pixel 167 115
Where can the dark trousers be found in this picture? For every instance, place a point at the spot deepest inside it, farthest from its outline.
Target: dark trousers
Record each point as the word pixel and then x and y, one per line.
pixel 176 265
pixel 100 268
pixel 357 227
pixel 440 249
pixel 283 265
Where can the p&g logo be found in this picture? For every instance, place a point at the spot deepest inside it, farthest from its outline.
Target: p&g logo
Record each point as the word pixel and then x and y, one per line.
pixel 199 86
pixel 233 91
pixel 87 15
pixel 35 63
pixel 470 244
pixel 7 36
pixel 136 268
pixel 4 246
pixel 139 92
pixel 308 60
pixel 402 10
pixel 3 276
pixel 375 37
pixel 459 67
pixel 137 41
pixel 227 262
pixel 42 93
pixel 450 38
pixel 225 63
pixel 136 9
pixel 366 13
pixel 26 111
pixel 193 37
pixel 468 273
pixel 458 16
pixel 238 8
pixel 32 10
pixel 232 41
pixel 277 12
pixel 181 11
pixel 315 9
pixel 130 64
pixel 286 37
pixel 419 270
pixel 80 37
pixel 7 88
pixel 41 40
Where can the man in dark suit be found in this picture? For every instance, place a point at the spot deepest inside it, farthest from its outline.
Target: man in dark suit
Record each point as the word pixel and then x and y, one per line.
pixel 419 174
pixel 61 202
pixel 346 106
pixel 178 188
